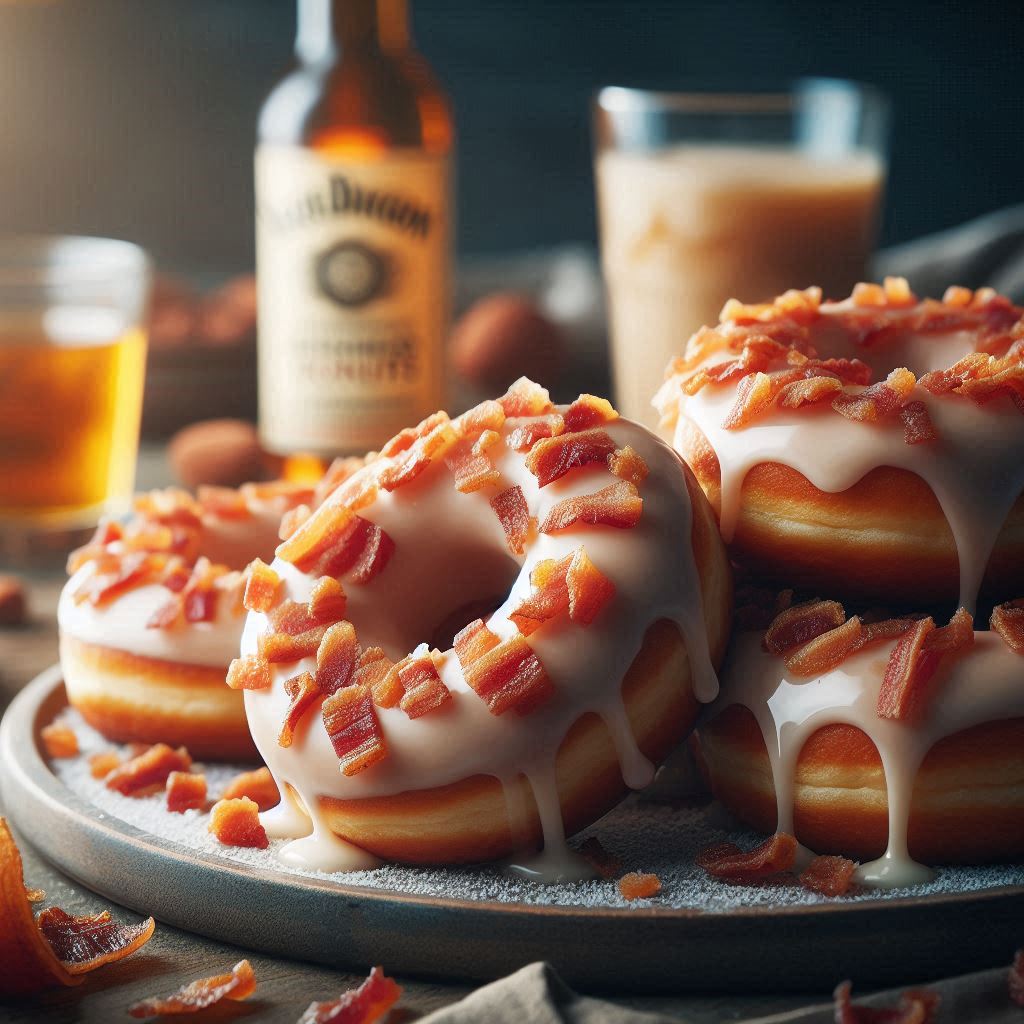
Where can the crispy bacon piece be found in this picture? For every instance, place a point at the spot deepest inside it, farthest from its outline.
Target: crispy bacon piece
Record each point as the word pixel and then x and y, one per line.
pixel 626 464
pixel 774 856
pixel 826 650
pixel 292 520
pixel 886 629
pixel 1015 979
pixel 830 876
pixel 250 672
pixel 82 944
pixel 470 464
pixel 411 462
pixel 549 598
pixel 1008 622
pixel 387 690
pixel 514 515
pixel 510 677
pixel 298 629
pixel 340 470
pixel 59 740
pixel 327 600
pixel 488 415
pixel 373 669
pixel 197 995
pixel 523 437
pixel 35 895
pixel 336 541
pixel 148 769
pixel 916 1006
pixel 302 691
pixel 363 1005
pixel 942 382
pixel 525 398
pixel 808 392
pixel 185 792
pixel 801 623
pixel 101 765
pixel 604 863
pixel 354 730
pixel 639 886
pixel 424 689
pixel 336 658
pixel 106 534
pixel 589 589
pixel 589 411
pixel 223 502
pixel 756 394
pixel 917 424
pixel 258 785
pixel 116 575
pixel 877 401
pixel 473 642
pixel 618 505
pixel 261 587
pixel 405 439
pixel 236 822
pixel 552 457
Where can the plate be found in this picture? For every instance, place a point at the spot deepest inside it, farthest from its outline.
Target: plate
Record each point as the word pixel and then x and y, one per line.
pixel 767 949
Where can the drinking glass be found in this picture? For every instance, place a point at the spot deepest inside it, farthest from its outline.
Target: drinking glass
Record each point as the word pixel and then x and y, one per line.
pixel 703 197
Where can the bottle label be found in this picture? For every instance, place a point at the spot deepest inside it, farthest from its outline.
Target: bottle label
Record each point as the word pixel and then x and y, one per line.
pixel 352 270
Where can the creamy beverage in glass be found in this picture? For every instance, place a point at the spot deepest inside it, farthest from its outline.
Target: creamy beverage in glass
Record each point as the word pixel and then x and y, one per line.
pixel 690 223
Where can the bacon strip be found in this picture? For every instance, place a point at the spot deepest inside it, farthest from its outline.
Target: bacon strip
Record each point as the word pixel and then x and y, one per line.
pixel 302 691
pixel 552 457
pixel 830 876
pixel 82 944
pixel 618 505
pixel 363 1005
pixel 350 719
pixel 336 658
pixel 801 623
pixel 774 856
pixel 827 650
pixel 916 1006
pixel 148 769
pixel 1008 622
pixel 424 689
pixel 514 515
pixel 238 984
pixel 510 677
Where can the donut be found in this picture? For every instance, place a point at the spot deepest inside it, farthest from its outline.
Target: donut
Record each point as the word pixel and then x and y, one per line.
pixel 875 443
pixel 152 616
pixel 895 742
pixel 484 638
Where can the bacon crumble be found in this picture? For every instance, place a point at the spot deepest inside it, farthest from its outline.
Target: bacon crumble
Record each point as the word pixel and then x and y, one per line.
pixel 514 515
pixel 618 505
pixel 363 1005
pixel 59 740
pixel 258 785
pixel 639 886
pixel 509 677
pixel 185 792
pixel 552 457
pixel 916 1006
pixel 829 876
pixel 250 672
pixel 238 984
pixel 302 691
pixel 424 689
pixel 336 657
pixel 727 863
pixel 350 719
pixel 148 769
pixel 1007 621
pixel 236 822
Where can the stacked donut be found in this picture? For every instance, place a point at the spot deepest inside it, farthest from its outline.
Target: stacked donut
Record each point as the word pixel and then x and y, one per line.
pixel 871 451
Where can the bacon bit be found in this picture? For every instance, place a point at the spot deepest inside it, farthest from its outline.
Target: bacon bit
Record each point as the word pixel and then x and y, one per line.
pixel 148 769
pixel 1015 981
pixel 261 587
pixel 82 944
pixel 514 515
pixel 827 650
pixel 373 669
pixel 525 398
pixel 1008 622
pixel 808 392
pixel 916 1006
pixel 327 600
pixel 236 822
pixel 756 394
pixel 35 895
pixel 296 634
pixel 487 416
pixel 338 472
pixel 117 575
pixel 404 440
pixel 801 623
pixel 302 690
pixel 713 854
pixel 604 863
pixel 877 401
pixel 589 411
pixel 223 502
pixel 336 541
pixel 292 520
pixel 363 1005
pixel 354 730
pixel 638 886
pixel 626 464
pixel 941 382
pixel 258 785
pixel 917 424
pixel 549 598
pixel 387 691
pixel 376 552
pixel 101 765
pixel 198 995
pixel 106 534
pixel 472 642
pixel 470 465
pixel 185 792
pixel 773 857
pixel 510 677
pixel 336 658
pixel 618 505
pixel 424 689
pixel 589 589
pixel 407 466
pixel 886 629
pixel 60 741
pixel 552 457
pixel 250 672
pixel 830 876
pixel 525 436
pixel 167 614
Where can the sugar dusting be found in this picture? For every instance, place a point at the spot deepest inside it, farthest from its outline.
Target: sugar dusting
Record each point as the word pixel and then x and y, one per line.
pixel 644 836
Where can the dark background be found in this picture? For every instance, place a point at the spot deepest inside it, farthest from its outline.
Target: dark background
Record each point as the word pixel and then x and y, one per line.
pixel 135 118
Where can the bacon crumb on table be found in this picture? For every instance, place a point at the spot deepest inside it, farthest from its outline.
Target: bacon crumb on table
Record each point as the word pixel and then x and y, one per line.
pixel 916 1006
pixel 363 1005
pixel 258 785
pixel 639 886
pixel 238 984
pixel 1015 979
pixel 83 943
pixel 236 822
pixel 60 741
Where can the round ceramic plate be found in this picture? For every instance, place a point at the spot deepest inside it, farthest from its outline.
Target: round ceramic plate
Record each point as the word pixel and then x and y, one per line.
pixel 878 942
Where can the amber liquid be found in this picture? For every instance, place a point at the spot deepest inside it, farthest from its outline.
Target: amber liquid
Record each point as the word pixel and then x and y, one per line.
pixel 71 385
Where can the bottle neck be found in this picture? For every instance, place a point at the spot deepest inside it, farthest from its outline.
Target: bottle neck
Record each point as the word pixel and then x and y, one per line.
pixel 328 28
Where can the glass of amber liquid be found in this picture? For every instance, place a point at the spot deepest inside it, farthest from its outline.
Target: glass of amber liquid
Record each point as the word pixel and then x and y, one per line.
pixel 72 367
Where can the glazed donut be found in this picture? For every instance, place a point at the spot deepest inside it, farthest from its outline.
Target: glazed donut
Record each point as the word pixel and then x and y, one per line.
pixel 612 592
pixel 874 444
pixel 869 742
pixel 152 616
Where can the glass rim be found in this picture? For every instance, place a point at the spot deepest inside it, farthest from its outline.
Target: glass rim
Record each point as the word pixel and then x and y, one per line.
pixel 43 259
pixel 621 99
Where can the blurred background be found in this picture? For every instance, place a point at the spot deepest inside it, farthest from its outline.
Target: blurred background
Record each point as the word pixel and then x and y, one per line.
pixel 179 83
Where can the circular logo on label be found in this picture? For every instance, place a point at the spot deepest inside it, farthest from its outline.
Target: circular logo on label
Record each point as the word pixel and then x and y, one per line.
pixel 351 273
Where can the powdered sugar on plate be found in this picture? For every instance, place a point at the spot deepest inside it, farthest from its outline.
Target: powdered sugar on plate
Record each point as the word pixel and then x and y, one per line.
pixel 644 836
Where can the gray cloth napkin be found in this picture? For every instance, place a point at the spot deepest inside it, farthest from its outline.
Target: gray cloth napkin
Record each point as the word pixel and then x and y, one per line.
pixel 537 995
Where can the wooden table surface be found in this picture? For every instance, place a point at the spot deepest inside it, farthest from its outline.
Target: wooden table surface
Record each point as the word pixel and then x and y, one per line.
pixel 174 957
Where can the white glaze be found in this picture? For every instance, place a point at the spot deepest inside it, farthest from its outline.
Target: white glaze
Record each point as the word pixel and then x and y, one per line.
pixel 983 685
pixel 121 623
pixel 451 550
pixel 975 469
